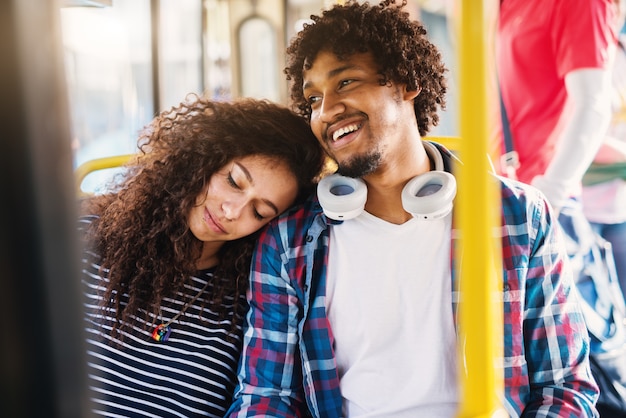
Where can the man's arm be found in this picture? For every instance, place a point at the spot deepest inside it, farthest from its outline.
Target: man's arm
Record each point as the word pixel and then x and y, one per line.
pixel 556 341
pixel 270 380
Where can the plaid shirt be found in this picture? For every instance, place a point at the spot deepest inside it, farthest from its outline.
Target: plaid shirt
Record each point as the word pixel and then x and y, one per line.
pixel 288 369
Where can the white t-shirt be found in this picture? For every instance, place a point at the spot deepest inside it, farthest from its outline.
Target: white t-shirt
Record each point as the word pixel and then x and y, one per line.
pixel 389 303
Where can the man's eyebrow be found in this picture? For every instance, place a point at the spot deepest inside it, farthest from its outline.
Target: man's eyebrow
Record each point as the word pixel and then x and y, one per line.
pixel 245 171
pixel 333 73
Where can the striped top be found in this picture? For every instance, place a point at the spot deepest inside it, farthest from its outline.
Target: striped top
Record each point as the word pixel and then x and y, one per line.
pixel 192 374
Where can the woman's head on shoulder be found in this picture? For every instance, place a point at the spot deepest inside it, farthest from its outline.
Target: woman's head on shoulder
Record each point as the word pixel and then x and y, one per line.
pixel 208 176
pixel 208 172
pixel 186 146
pixel 207 134
pixel 191 142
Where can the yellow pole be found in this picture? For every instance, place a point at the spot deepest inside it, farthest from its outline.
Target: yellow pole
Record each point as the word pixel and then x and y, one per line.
pixel 479 263
pixel 98 164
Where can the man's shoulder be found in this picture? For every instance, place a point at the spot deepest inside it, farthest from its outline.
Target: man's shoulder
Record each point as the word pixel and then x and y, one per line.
pixel 298 218
pixel 518 198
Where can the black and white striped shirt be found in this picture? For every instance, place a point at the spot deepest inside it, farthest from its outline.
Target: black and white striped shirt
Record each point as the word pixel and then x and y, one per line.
pixel 192 374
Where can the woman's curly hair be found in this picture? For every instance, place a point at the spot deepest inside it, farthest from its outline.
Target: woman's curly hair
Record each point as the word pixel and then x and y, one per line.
pixel 142 235
pixel 399 46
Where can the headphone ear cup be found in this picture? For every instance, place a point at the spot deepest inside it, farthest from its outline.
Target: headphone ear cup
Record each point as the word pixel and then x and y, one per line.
pixel 430 195
pixel 342 197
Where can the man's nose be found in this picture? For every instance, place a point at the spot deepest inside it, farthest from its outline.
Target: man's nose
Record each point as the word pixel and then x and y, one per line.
pixel 330 107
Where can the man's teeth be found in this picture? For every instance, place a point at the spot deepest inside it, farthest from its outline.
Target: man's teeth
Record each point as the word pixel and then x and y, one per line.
pixel 345 130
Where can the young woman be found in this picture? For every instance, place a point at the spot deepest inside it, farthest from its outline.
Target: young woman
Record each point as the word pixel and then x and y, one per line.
pixel 167 253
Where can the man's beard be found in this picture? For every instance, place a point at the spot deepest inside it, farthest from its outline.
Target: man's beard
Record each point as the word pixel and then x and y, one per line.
pixel 360 165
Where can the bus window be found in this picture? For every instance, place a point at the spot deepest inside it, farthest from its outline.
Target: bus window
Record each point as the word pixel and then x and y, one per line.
pixel 110 70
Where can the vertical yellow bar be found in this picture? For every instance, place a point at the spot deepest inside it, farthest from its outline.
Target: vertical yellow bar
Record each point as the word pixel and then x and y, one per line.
pixel 479 259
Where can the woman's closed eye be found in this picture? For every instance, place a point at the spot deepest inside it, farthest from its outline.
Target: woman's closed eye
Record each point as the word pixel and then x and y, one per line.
pixel 257 215
pixel 232 181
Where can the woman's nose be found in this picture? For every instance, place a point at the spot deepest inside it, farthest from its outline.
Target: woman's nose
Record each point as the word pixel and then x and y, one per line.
pixel 232 209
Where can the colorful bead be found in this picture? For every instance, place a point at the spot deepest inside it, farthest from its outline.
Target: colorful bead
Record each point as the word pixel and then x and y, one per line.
pixel 161 333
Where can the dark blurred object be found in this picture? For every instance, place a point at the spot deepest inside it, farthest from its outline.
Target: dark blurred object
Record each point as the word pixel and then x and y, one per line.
pixel 41 344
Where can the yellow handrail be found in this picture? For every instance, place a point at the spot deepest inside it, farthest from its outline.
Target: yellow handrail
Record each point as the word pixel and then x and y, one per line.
pixel 98 164
pixel 480 308
pixel 453 143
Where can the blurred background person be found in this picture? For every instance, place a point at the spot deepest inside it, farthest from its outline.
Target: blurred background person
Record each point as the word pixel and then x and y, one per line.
pixel 554 62
pixel 604 191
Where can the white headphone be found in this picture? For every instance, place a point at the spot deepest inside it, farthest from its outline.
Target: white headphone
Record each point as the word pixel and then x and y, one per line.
pixel 427 196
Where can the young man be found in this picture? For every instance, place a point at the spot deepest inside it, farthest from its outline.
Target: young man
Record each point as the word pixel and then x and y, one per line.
pixel 358 317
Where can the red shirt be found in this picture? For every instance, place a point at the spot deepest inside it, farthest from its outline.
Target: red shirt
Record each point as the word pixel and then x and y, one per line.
pixel 538 43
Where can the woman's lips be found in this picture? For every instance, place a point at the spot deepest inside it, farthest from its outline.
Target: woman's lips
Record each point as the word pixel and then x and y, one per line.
pixel 212 223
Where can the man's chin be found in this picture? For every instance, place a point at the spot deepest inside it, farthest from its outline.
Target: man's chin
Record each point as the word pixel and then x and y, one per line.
pixel 359 166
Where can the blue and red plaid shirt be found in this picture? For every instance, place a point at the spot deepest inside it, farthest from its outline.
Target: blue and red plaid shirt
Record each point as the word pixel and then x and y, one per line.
pixel 288 369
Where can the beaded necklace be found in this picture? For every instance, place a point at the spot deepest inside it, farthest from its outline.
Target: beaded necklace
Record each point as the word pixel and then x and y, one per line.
pixel 162 331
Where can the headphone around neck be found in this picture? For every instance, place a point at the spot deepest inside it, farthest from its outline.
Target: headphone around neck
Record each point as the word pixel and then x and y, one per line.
pixel 427 196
